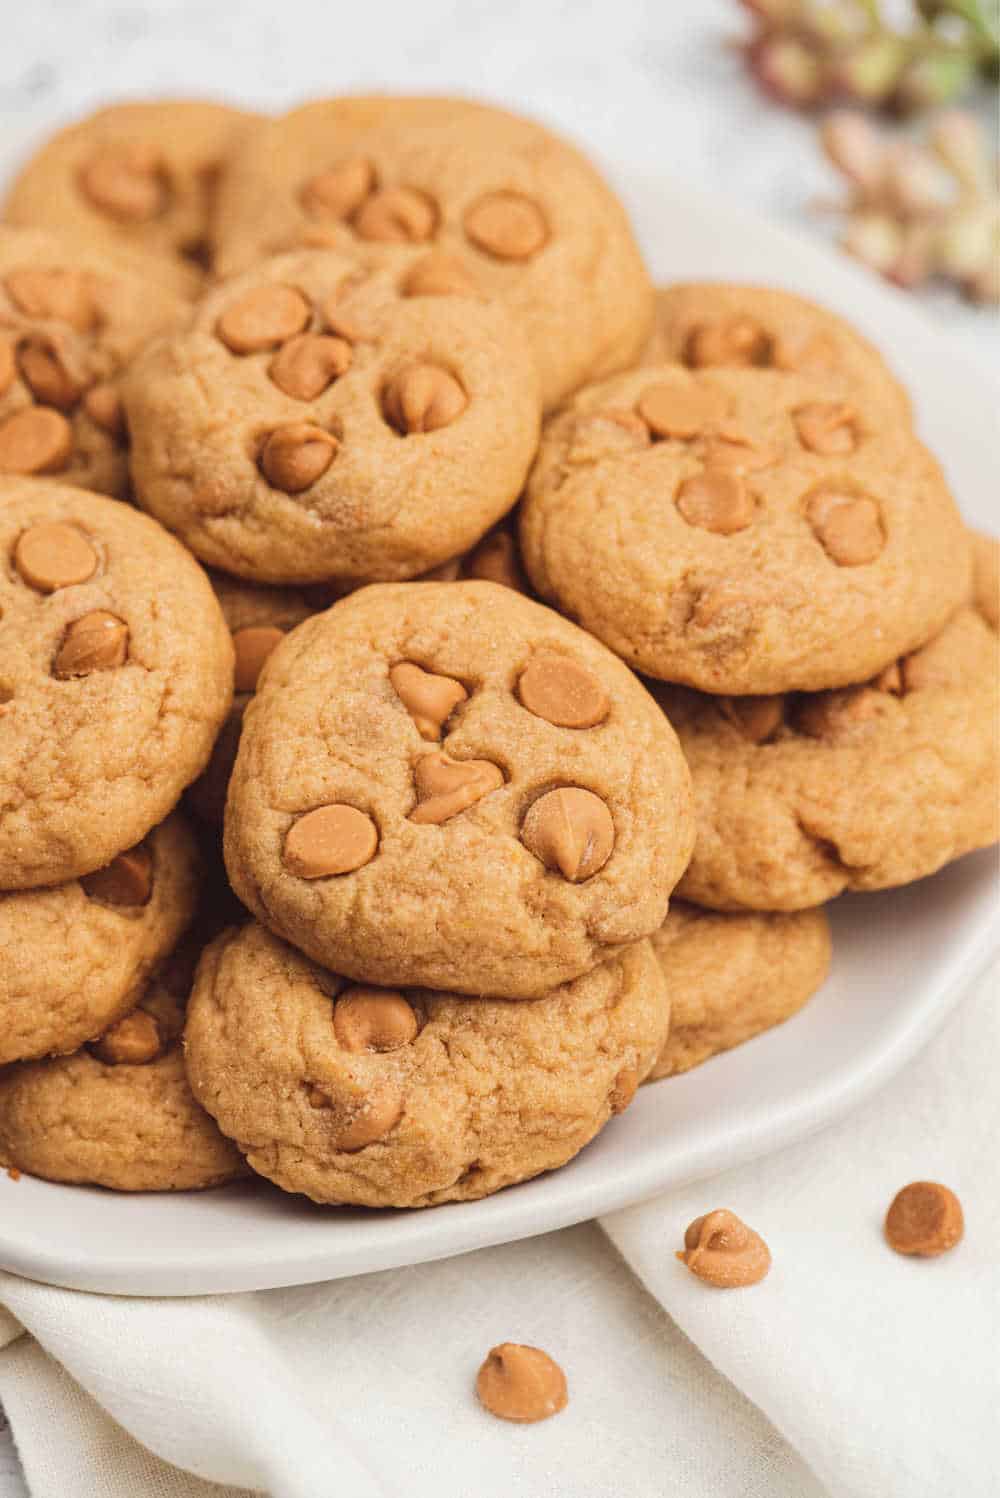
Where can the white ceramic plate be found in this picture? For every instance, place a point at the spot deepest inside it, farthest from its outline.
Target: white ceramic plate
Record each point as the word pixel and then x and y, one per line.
pixel 901 959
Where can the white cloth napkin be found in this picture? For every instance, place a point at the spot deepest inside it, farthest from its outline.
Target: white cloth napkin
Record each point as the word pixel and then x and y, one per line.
pixel 880 1373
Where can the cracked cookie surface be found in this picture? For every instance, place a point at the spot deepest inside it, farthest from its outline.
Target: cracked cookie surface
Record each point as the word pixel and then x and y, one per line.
pixel 411 1098
pixel 741 529
pixel 116 672
pixel 398 811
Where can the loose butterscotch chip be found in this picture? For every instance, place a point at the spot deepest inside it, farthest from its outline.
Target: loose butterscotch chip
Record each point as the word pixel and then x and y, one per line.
pixel 439 275
pixel 262 319
pixel 495 560
pixel 571 831
pixel 757 718
pixel 398 215
pixel 102 404
pixel 380 1112
pixel 35 439
pixel 848 528
pixel 335 839
pixel 53 555
pixel 507 225
pixel 429 699
pixel 45 370
pixel 716 500
pixel 307 364
pixel 556 688
pixel 127 182
pixel 829 428
pixel 445 786
pixel 339 191
pixel 8 366
pixel 96 642
pixel 293 457
pixel 133 1041
pixel 253 645
pixel 53 295
pixel 521 1383
pixel 680 409
pixel 423 398
pixel 724 1252
pixel 925 1219
pixel 127 880
pixel 373 1019
pixel 738 341
pixel 624 1090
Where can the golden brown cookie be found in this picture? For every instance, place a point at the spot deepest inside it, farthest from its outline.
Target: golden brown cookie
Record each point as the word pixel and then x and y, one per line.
pixel 384 1098
pixel 720 325
pixel 116 673
pixel 495 559
pixel 71 317
pixel 76 955
pixel 743 530
pixel 134 178
pixel 473 198
pixel 730 977
pixel 314 424
pixel 800 797
pixel 447 784
pixel 119 1113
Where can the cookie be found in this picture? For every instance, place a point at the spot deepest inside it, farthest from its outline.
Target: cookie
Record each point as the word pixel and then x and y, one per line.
pixel 70 319
pixel 316 425
pixel 742 530
pixel 384 1098
pixel 76 954
pixel 719 325
pixel 986 577
pixel 495 559
pixel 119 1113
pixel 730 977
pixel 446 784
pixel 468 198
pixel 800 797
pixel 138 179
pixel 116 673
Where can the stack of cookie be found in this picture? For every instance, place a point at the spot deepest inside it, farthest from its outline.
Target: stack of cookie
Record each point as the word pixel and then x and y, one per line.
pixel 330 353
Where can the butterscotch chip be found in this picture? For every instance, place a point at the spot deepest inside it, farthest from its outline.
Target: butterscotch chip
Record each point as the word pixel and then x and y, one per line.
pixel 829 428
pixel 8 365
pixel 263 318
pixel 396 214
pixel 428 698
pixel 624 1090
pixel 570 830
pixel 305 366
pixel 339 191
pixel 373 1019
pixel 57 295
pixel 757 718
pixel 133 1041
pixel 716 500
pixel 848 528
pixel 439 275
pixel 294 456
pixel 96 642
pixel 253 645
pixel 736 341
pixel 54 555
pixel 335 839
pixel 925 1219
pixel 45 371
pixel 507 225
pixel 126 880
pixel 35 439
pixel 556 688
pixel 126 182
pixel 680 409
pixel 379 1113
pixel 423 398
pixel 102 404
pixel 445 786
pixel 724 1252
pixel 731 447
pixel 521 1383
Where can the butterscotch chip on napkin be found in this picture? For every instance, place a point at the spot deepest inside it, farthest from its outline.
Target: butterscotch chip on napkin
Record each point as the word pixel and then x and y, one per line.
pixel 731 977
pixel 463 198
pixel 448 784
pixel 521 1383
pixel 380 1097
pixel 116 673
pixel 722 1251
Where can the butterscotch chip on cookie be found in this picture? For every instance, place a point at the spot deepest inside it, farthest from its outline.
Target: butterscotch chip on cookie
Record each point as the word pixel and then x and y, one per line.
pixel 461 198
pixel 800 797
pixel 411 805
pixel 138 179
pixel 71 317
pixel 743 530
pixel 315 425
pixel 407 1097
pixel 116 673
pixel 730 977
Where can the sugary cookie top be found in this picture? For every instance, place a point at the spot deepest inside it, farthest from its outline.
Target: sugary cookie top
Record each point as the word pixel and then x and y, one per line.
pixel 448 784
